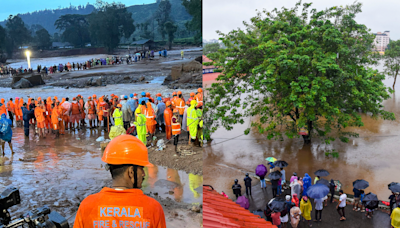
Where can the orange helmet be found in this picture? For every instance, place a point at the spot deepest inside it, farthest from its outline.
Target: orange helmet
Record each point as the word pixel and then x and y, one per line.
pixel 188 103
pixel 179 92
pixel 168 103
pixel 94 95
pixel 192 94
pixel 89 98
pixel 74 99
pixel 147 94
pixel 126 149
pixel 175 110
pixel 158 94
pixel 135 94
pixel 79 95
pixel 55 97
pixel 112 95
pixel 174 94
pixel 119 105
pixel 199 90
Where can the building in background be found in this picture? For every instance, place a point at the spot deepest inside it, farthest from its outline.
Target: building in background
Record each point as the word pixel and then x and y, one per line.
pixel 381 41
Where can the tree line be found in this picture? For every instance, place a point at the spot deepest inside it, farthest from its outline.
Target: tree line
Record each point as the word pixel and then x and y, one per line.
pixel 104 27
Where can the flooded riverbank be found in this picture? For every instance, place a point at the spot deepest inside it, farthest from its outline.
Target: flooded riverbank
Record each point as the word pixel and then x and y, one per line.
pixel 372 156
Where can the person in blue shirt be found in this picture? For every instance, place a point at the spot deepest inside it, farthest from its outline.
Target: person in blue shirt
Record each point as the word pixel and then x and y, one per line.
pixel 271 166
pixel 143 98
pixel 362 194
pixel 132 103
pixel 356 202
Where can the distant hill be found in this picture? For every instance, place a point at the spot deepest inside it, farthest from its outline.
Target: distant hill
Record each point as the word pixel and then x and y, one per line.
pixel 140 14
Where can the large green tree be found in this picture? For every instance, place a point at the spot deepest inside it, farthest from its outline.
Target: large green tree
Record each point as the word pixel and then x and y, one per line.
pixel 74 29
pixel 392 60
pixel 162 16
pixel 3 49
pixel 298 68
pixel 170 28
pixel 18 33
pixel 43 39
pixel 109 23
pixel 193 7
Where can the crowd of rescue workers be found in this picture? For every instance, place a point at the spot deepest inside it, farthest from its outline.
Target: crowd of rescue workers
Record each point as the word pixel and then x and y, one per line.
pixel 142 116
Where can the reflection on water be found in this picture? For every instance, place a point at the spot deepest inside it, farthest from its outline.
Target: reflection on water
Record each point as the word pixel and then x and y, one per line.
pixel 373 156
pixel 61 173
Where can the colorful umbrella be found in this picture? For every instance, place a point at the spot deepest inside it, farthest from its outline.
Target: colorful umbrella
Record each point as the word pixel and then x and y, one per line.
pixel 360 184
pixel 243 202
pixel 271 159
pixel 321 173
pixel 261 170
pixel 281 164
pixel 370 201
pixel 317 191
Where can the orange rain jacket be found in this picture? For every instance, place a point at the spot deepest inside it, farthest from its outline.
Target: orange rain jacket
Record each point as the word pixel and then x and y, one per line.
pixel 120 209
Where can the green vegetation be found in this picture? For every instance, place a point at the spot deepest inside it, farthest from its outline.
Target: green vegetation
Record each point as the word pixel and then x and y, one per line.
pixel 293 70
pixel 193 6
pixel 211 48
pixel 392 60
pixel 75 29
pixel 43 39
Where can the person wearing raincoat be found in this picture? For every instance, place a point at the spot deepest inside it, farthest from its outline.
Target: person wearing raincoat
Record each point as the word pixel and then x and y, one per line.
pixel 184 121
pixel 176 128
pixel 295 187
pixel 192 122
pixel 306 183
pixel 160 113
pixel 195 181
pixel 306 208
pixel 167 119
pixel 200 128
pixel 117 115
pixel 7 134
pixel 141 126
pixel 151 122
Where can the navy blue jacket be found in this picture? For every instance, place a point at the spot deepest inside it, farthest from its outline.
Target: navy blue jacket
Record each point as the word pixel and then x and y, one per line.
pixel 26 114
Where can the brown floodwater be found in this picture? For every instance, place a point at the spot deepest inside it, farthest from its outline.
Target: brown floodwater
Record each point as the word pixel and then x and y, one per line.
pixel 373 156
pixel 61 173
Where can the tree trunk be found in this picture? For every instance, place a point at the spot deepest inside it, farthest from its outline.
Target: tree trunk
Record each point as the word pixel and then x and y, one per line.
pixel 395 77
pixel 307 138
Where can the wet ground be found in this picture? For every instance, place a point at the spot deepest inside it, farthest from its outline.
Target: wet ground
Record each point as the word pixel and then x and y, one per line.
pixel 372 156
pixel 61 173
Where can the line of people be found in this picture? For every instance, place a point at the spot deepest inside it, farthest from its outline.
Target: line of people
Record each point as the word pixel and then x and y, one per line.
pixel 138 116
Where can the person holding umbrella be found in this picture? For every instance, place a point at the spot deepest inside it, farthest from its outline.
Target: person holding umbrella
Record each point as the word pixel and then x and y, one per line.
pixel 274 177
pixel 306 208
pixel 261 171
pixel 247 183
pixel 370 202
pixel 281 165
pixel 332 189
pixel 356 202
pixel 318 192
pixel 341 205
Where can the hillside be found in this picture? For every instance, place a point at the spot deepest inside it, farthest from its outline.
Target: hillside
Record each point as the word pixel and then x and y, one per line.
pixel 140 14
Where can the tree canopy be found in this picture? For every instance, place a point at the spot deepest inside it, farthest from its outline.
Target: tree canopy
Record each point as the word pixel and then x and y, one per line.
pixel 298 68
pixel 74 29
pixel 18 33
pixel 193 7
pixel 43 39
pixel 163 16
pixel 170 28
pixel 392 60
pixel 211 48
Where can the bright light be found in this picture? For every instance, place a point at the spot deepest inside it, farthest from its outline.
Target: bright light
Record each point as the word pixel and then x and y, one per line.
pixel 28 53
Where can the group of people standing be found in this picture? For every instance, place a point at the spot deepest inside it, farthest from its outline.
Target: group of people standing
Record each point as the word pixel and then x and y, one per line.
pixel 137 115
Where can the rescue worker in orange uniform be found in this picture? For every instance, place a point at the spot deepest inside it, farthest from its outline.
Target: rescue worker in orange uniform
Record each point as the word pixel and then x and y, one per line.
pixel 191 97
pixel 40 119
pixel 180 93
pixel 96 103
pixel 179 103
pixel 3 108
pixel 49 109
pixel 167 119
pixel 82 109
pixel 150 120
pixel 11 111
pixel 56 114
pixel 176 128
pixel 173 100
pixel 75 114
pixel 91 111
pixel 124 204
pixel 199 97
pixel 150 98
pixel 18 112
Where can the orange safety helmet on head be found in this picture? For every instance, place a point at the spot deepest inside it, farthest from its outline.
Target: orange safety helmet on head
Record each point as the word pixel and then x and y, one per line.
pixel 158 94
pixel 188 103
pixel 179 92
pixel 199 90
pixel 89 98
pixel 147 94
pixel 94 95
pixel 126 150
pixel 119 105
pixel 74 99
pixel 112 95
pixel 168 103
pixel 174 94
pixel 192 94
pixel 135 94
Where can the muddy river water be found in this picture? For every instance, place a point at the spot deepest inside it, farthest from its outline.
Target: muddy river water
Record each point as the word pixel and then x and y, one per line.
pixel 374 156
pixel 61 173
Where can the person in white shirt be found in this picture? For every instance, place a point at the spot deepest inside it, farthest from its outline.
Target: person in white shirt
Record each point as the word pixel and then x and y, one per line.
pixel 341 205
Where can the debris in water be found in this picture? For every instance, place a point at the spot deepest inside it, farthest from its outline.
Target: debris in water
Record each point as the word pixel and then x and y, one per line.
pixel 100 139
pixel 78 138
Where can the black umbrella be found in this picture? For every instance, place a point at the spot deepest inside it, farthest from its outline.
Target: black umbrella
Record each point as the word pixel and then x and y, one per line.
pixel 321 173
pixel 360 184
pixel 281 164
pixel 277 204
pixel 370 201
pixel 393 183
pixel 275 175
pixel 395 187
pixel 324 182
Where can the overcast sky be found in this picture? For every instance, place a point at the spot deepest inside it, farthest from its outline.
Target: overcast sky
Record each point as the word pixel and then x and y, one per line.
pixel 14 7
pixel 226 15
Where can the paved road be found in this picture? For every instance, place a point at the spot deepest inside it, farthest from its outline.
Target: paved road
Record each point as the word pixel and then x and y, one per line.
pixel 330 217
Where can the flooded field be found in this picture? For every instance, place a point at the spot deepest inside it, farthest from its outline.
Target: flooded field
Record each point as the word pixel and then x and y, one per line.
pixel 373 156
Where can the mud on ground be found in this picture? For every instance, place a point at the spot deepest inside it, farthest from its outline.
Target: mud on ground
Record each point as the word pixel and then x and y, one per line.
pixel 187 160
